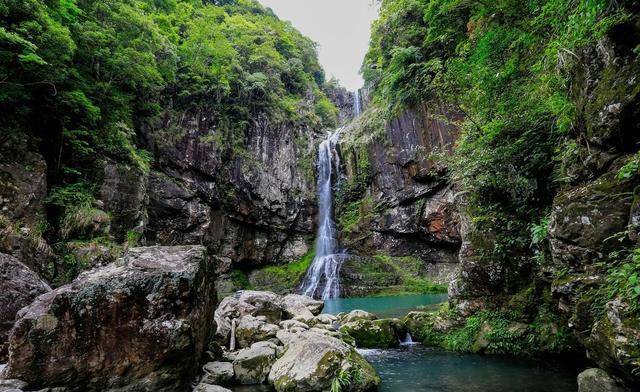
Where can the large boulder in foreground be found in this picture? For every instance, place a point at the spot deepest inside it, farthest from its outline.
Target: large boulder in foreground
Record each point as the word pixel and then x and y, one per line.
pixel 19 287
pixel 312 361
pixel 139 324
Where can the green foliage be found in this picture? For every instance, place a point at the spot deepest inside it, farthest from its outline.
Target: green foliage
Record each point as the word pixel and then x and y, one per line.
pixel 82 78
pixel 282 279
pixel 631 169
pixel 347 376
pixel 501 332
pixel 624 281
pixel 505 67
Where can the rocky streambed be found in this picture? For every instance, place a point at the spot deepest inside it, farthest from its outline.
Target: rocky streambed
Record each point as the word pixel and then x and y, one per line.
pixel 149 322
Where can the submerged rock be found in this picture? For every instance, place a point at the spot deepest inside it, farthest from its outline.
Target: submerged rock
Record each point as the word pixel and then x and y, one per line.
pixel 19 287
pixel 139 324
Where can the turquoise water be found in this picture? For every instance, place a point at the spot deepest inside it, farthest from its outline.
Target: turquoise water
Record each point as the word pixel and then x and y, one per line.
pixel 421 369
pixel 417 368
pixel 383 307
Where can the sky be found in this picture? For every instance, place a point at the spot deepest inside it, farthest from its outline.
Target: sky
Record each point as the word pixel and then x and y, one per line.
pixel 340 27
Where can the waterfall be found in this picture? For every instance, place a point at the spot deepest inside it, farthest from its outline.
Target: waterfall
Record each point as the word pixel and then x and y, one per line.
pixel 323 277
pixel 357 106
pixel 408 340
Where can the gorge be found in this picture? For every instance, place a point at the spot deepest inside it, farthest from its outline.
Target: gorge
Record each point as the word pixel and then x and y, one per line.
pixel 175 173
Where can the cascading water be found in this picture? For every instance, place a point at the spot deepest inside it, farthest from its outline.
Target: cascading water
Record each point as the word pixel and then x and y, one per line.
pixel 357 105
pixel 323 277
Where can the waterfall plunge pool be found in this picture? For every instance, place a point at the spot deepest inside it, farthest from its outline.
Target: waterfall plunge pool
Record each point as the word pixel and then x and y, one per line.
pixel 415 368
pixel 385 307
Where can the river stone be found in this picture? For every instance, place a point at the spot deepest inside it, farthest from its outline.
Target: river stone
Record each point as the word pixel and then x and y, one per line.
pixel 300 305
pixel 204 387
pixel 597 380
pixel 325 319
pixel 153 310
pixel 12 385
pixel 372 333
pixel 254 329
pixel 357 315
pixel 19 287
pixel 290 324
pixel 252 365
pixel 253 303
pixel 217 373
pixel 313 360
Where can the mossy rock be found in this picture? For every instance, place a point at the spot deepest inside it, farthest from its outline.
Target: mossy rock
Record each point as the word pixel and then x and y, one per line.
pixel 374 333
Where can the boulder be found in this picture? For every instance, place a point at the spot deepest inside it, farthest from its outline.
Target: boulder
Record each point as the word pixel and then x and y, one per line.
pixel 312 361
pixel 292 324
pixel 253 303
pixel 355 315
pixel 300 305
pixel 597 380
pixel 19 287
pixel 204 387
pixel 12 385
pixel 252 365
pixel 217 373
pixel 326 319
pixel 373 333
pixel 141 324
pixel 254 329
pixel 613 342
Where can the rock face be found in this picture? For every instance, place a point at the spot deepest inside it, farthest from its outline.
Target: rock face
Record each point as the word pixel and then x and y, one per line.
pixel 140 323
pixel 19 287
pixel 394 199
pixel 312 360
pixel 255 208
pixel 23 191
pixel 124 194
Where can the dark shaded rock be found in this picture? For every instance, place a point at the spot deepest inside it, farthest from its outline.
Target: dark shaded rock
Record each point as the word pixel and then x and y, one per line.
pixel 19 287
pixel 254 204
pixel 597 380
pixel 124 194
pixel 585 218
pixel 614 343
pixel 141 323
pixel 217 373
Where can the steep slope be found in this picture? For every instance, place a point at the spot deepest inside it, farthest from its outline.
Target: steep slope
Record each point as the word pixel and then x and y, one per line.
pixel 544 98
pixel 157 122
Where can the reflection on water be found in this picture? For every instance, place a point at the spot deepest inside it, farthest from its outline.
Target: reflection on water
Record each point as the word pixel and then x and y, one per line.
pixel 397 306
pixel 417 368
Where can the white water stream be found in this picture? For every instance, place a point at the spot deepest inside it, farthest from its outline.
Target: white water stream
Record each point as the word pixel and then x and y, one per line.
pixel 323 277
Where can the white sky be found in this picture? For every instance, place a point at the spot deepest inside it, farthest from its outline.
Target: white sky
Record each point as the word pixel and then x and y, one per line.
pixel 340 27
